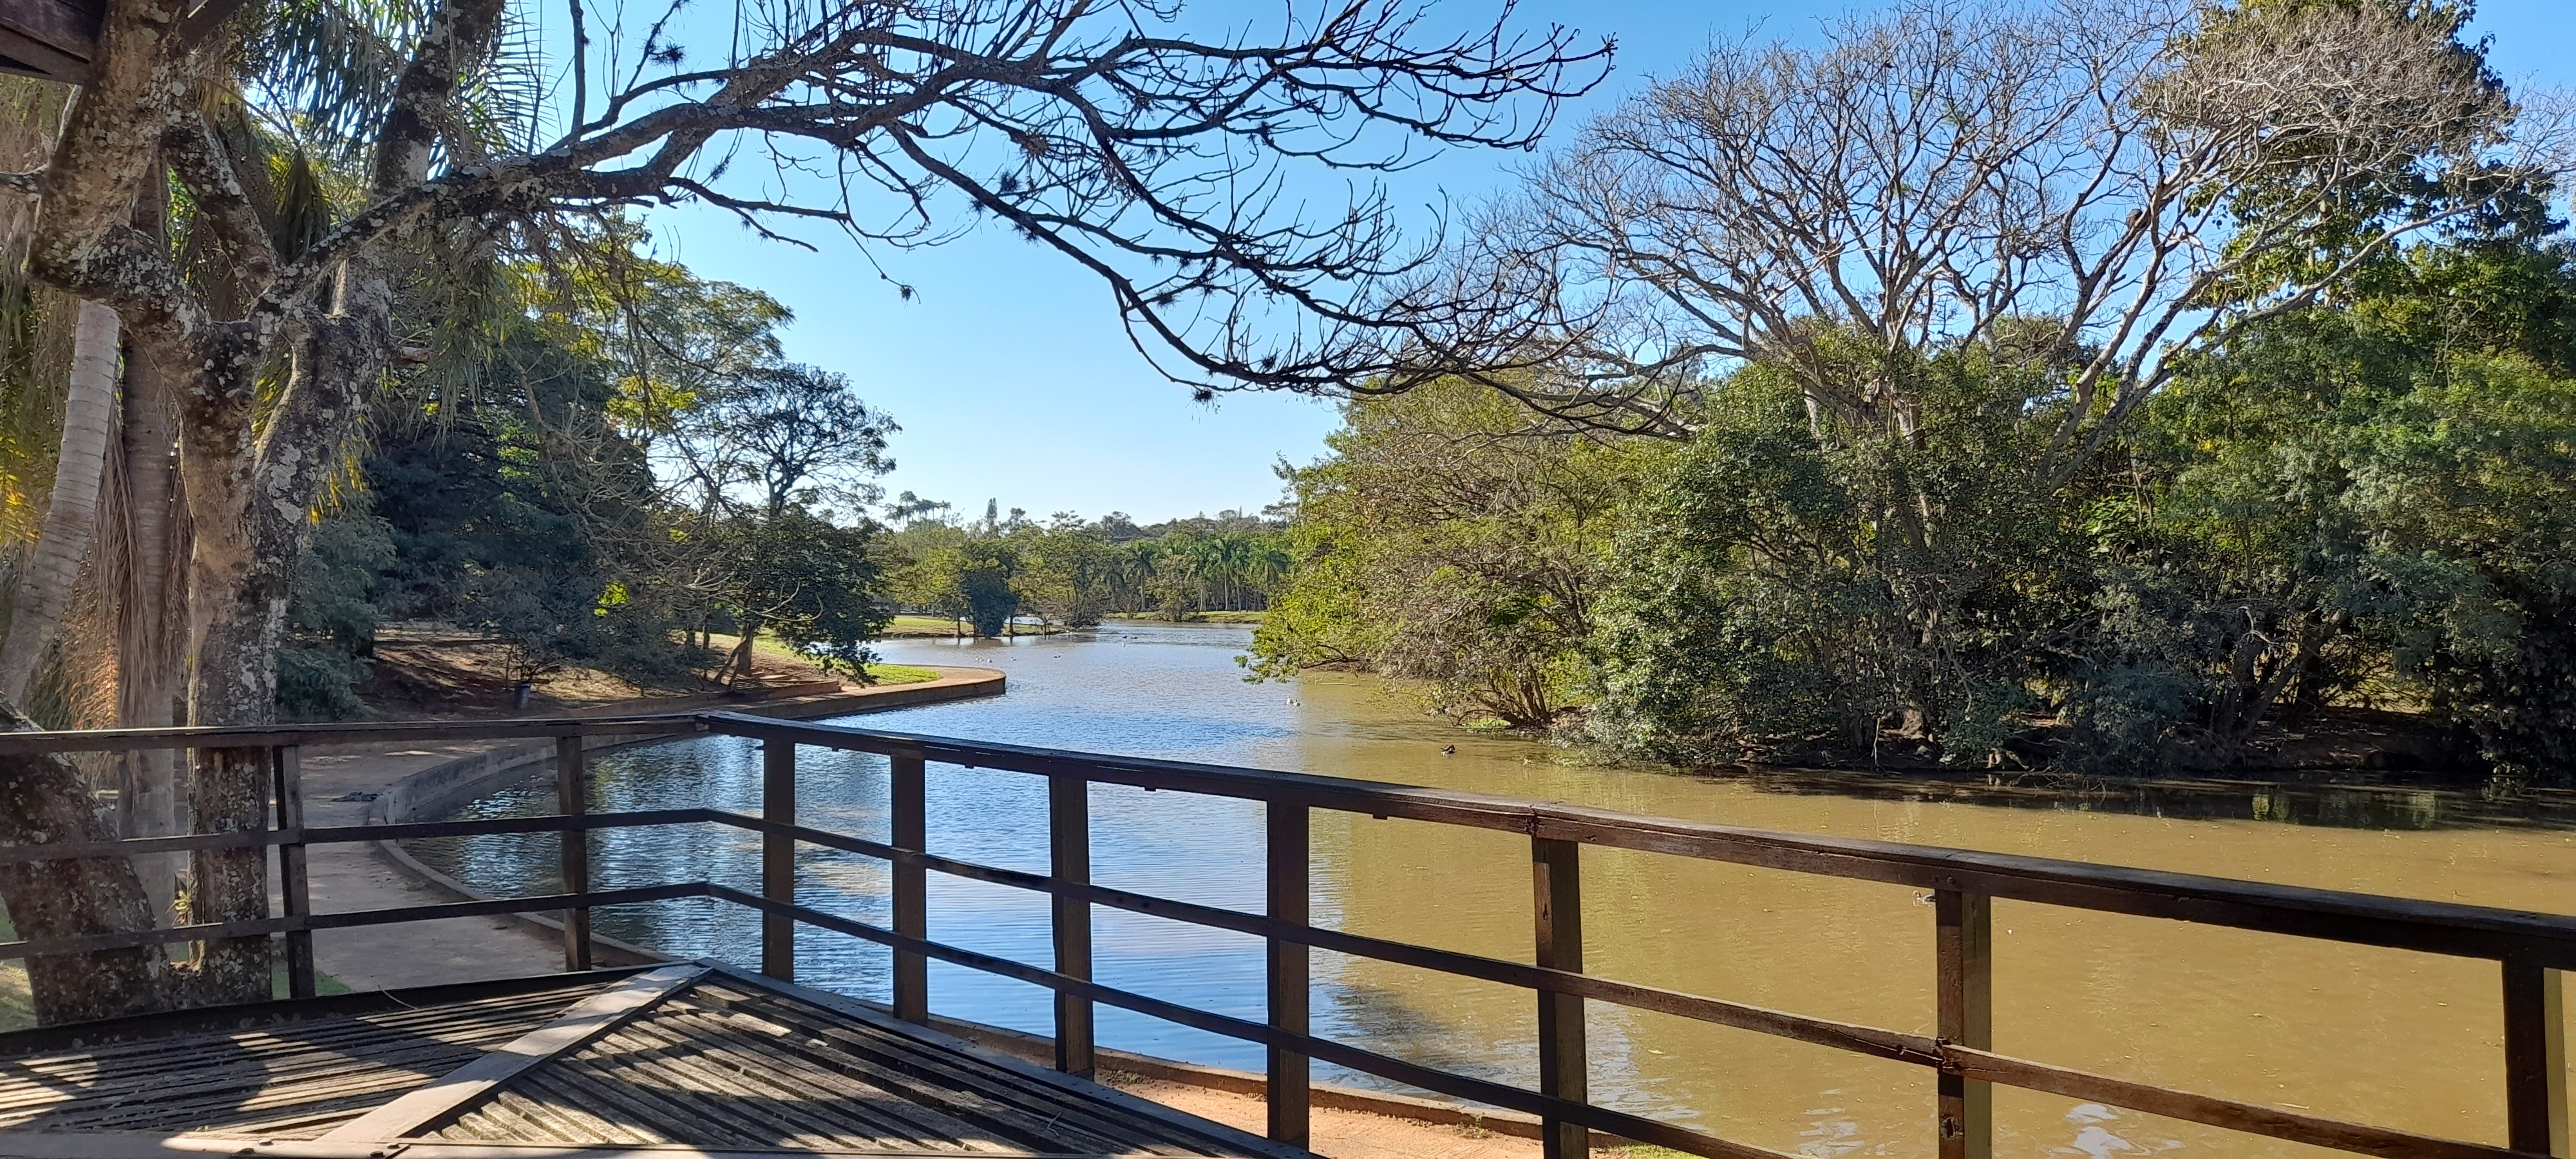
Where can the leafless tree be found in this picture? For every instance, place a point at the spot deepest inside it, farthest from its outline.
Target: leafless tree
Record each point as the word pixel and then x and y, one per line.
pixel 2132 178
pixel 1101 129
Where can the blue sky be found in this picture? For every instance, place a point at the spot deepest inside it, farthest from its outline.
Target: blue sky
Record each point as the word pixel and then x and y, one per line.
pixel 1013 380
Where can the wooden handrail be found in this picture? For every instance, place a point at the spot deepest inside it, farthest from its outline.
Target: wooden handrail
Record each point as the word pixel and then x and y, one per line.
pixel 345 732
pixel 2332 915
pixel 2531 948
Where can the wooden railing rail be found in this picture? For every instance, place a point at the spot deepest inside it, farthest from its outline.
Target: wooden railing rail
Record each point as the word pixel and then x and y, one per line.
pixel 1964 885
pixel 2531 949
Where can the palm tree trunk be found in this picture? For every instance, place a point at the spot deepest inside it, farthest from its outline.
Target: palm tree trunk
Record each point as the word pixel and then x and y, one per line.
pixel 144 537
pixel 45 587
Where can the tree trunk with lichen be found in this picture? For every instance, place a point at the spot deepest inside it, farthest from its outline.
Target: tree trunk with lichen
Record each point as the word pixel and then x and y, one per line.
pixel 250 474
pixel 250 495
pixel 44 798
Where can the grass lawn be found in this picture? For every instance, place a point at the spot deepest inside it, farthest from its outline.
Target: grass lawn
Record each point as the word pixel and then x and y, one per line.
pixel 923 624
pixel 1196 617
pixel 900 674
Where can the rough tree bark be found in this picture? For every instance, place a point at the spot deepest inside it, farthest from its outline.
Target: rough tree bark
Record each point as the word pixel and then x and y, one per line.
pixel 249 515
pixel 71 516
pixel 43 798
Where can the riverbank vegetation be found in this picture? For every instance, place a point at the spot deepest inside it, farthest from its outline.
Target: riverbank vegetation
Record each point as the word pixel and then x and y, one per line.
pixel 627 476
pixel 1834 483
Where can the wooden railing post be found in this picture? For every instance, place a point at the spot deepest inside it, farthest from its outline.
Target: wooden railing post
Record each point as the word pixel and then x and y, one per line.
pixel 1963 946
pixel 778 858
pixel 572 796
pixel 1069 856
pixel 294 886
pixel 1290 1073
pixel 2535 1059
pixel 1563 1065
pixel 910 805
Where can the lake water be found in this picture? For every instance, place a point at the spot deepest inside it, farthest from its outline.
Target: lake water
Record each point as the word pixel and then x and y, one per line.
pixel 2403 1040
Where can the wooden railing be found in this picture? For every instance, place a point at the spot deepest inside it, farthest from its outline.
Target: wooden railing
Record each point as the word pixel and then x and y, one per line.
pixel 2530 949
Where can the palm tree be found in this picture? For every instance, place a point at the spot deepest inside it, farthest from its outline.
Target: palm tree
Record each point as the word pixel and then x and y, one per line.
pixel 71 515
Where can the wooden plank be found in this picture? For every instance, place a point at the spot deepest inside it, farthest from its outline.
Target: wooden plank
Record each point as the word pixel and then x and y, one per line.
pixel 1975 1064
pixel 586 1020
pixel 1564 1070
pixel 1290 898
pixel 2535 1060
pixel 778 857
pixel 1069 860
pixel 566 1116
pixel 294 885
pixel 572 799
pixel 872 1113
pixel 202 22
pixel 564 1094
pixel 831 1053
pixel 1187 1126
pixel 1963 994
pixel 908 796
pixel 262 927
pixel 154 1145
pixel 347 834
pixel 804 1083
pixel 924 1073
pixel 25 55
pixel 661 1080
pixel 56 40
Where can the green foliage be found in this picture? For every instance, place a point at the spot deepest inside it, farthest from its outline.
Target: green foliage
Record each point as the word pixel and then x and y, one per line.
pixel 2391 483
pixel 603 462
pixel 811 583
pixel 1446 541
pixel 492 535
pixel 2365 504
pixel 331 622
pixel 1798 581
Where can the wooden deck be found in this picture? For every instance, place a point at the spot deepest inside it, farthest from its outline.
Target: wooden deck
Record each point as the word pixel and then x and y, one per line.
pixel 687 1059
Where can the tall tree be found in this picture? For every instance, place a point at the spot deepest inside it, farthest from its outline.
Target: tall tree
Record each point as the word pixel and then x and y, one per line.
pixel 1109 135
pixel 2140 177
pixel 71 514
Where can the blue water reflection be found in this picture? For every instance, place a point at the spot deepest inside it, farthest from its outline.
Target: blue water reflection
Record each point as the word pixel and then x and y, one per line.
pixel 1135 689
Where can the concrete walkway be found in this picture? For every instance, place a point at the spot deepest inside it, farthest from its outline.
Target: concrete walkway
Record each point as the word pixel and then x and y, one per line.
pixel 342 786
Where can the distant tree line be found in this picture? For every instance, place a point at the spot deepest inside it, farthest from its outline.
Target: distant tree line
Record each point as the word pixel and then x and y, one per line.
pixel 1064 570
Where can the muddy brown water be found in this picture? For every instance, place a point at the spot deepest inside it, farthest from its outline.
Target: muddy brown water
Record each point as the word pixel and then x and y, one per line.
pixel 2399 1039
